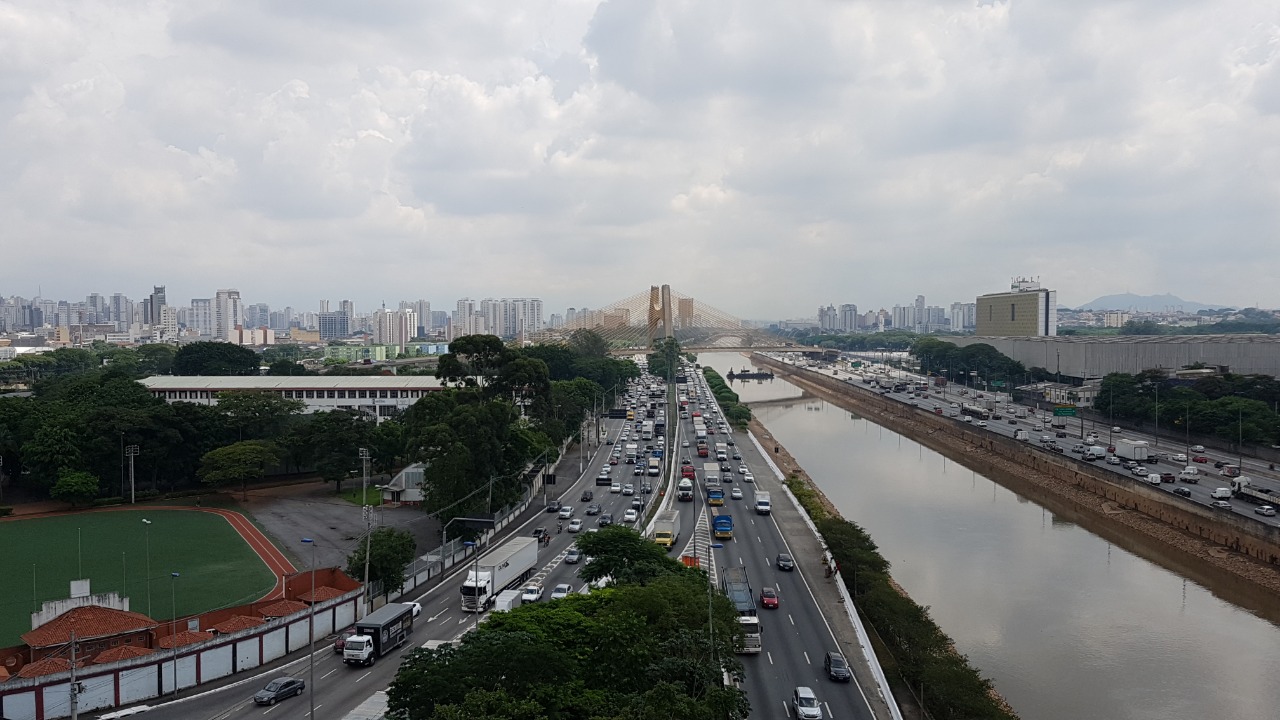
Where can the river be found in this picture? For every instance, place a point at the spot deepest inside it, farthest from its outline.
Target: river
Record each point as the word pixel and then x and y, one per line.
pixel 1066 624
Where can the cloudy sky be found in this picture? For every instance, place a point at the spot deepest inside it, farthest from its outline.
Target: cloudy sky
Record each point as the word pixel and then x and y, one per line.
pixel 762 156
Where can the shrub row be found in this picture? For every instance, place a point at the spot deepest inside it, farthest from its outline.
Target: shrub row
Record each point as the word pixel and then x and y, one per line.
pixel 734 411
pixel 5 510
pixel 924 654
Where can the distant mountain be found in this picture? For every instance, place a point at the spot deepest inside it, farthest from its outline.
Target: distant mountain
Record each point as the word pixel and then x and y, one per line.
pixel 1147 303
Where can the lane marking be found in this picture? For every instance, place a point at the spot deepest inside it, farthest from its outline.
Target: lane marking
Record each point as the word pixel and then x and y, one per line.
pixel 367 673
pixel 806 657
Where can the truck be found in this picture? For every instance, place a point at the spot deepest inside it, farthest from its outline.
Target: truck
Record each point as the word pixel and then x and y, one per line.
pixel 1244 489
pixel 711 473
pixel 1135 450
pixel 666 528
pixel 1021 435
pixel 378 633
pixel 715 495
pixel 738 589
pixel 508 600
pixel 722 451
pixel 633 451
pixel 699 429
pixel 503 567
pixel 1020 413
pixel 702 448
pixel 764 505
pixel 1095 452
pixel 655 467
pixel 684 491
pixel 687 471
pixel 722 527
pixel 646 431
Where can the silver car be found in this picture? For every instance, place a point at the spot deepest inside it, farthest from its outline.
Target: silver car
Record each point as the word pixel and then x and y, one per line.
pixel 806 704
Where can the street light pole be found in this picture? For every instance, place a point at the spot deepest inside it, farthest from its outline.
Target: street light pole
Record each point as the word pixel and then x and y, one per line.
pixel 147 528
pixel 311 696
pixel 131 452
pixel 475 578
pixel 173 598
pixel 364 508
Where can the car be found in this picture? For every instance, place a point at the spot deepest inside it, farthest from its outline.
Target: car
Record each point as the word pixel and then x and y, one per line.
pixel 737 456
pixel 573 557
pixel 982 423
pixel 628 489
pixel 531 593
pixel 685 461
pixel 1220 504
pixel 561 591
pixel 575 525
pixel 540 532
pixel 279 689
pixel 805 704
pixel 785 562
pixel 837 667
pixel 1178 457
pixel 730 442
pixel 615 488
pixel 630 516
pixel 593 509
pixel 769 598
pixel 1138 471
pixel 340 643
pixel 684 444
pixel 1116 429
pixel 1182 492
pixel 1060 434
pixel 1218 463
pixel 725 467
pixel 613 460
pixel 566 512
pixel 1199 459
pixel 553 506
pixel 742 469
pixel 749 478
pixel 639 471
pixel 588 496
pixel 606 469
pixel 1197 448
pixel 417 608
pixel 605 520
pixel 1013 421
pixel 1263 510
pixel 735 494
pixel 1167 477
pixel 646 488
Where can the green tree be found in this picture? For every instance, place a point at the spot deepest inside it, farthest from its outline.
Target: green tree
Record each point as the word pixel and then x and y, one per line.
pixel 390 552
pixel 156 358
pixel 588 344
pixel 335 439
pixel 76 487
pixel 473 360
pixel 215 358
pixel 52 450
pixel 625 556
pixel 258 414
pixel 239 462
pixel 287 367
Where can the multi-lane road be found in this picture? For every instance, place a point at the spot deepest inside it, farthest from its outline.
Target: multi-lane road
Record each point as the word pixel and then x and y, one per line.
pixel 795 637
pixel 1163 448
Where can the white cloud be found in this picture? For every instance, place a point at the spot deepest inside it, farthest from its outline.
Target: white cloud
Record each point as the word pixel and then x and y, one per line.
pixel 763 157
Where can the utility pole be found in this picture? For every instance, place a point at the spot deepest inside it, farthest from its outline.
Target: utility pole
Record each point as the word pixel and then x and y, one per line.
pixel 132 452
pixel 364 507
pixel 75 688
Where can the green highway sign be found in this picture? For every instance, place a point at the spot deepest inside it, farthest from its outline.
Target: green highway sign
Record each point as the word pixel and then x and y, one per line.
pixel 1064 411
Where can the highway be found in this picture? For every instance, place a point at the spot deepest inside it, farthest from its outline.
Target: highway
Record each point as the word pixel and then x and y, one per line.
pixel 795 637
pixel 1162 447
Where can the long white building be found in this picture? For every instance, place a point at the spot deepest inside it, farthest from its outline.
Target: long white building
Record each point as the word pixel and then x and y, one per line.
pixel 379 395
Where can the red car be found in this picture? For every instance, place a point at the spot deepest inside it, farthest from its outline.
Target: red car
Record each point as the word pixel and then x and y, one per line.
pixel 613 461
pixel 769 598
pixel 1200 459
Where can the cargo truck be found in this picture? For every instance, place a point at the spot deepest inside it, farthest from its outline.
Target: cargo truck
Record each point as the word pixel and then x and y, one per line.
pixel 655 467
pixel 722 527
pixel 715 495
pixel 702 448
pixel 632 451
pixel 684 491
pixel 722 451
pixel 738 589
pixel 763 504
pixel 666 528
pixel 1244 489
pixel 508 600
pixel 378 633
pixel 507 565
pixel 1135 450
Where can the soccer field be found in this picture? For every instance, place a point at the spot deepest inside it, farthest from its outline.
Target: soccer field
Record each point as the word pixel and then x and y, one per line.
pixel 40 557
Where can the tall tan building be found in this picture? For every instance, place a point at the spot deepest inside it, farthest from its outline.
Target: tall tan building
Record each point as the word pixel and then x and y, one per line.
pixel 1027 310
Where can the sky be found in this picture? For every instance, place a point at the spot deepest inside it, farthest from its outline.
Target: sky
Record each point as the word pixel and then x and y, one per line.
pixel 763 157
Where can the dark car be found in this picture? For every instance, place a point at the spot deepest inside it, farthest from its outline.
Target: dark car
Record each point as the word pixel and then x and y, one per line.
pixel 1013 421
pixel 685 461
pixel 593 509
pixel 539 532
pixel 737 456
pixel 730 442
pixel 1167 477
pixel 340 643
pixel 1181 491
pixel 588 496
pixel 605 520
pixel 784 562
pixel 553 506
pixel 837 667
pixel 1060 434
pixel 725 467
pixel 1218 463
pixel 279 689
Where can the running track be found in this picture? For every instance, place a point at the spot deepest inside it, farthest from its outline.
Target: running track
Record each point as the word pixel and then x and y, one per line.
pixel 270 555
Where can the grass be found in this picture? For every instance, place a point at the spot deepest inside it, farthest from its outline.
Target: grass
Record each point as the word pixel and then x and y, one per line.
pixel 373 496
pixel 217 569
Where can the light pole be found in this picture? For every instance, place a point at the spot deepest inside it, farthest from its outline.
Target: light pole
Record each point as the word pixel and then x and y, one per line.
pixel 475 577
pixel 364 508
pixel 173 599
pixel 131 452
pixel 311 695
pixel 147 528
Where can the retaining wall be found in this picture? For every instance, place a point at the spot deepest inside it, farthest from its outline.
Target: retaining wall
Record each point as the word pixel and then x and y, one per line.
pixel 1237 532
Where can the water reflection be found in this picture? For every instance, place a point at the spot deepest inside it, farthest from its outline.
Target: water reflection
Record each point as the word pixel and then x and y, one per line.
pixel 1068 622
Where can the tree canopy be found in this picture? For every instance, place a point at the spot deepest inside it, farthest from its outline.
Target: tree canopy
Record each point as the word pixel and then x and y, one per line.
pixel 215 358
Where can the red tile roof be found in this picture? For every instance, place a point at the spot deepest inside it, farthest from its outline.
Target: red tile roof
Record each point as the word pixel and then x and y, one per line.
pixel 236 624
pixel 88 622
pixel 47 666
pixel 282 608
pixel 324 592
pixel 123 652
pixel 186 637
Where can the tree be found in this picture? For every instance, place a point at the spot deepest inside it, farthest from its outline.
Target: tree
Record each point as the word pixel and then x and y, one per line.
pixel 52 450
pixel 239 462
pixel 625 556
pixel 76 487
pixel 335 439
pixel 390 552
pixel 287 367
pixel 472 360
pixel 588 343
pixel 215 358
pixel 258 414
pixel 156 358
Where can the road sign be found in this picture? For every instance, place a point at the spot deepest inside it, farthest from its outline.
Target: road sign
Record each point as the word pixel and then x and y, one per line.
pixel 1064 411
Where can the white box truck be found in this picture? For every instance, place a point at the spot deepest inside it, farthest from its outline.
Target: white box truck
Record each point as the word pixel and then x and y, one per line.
pixel 666 529
pixel 506 565
pixel 508 600
pixel 764 505
pixel 1136 450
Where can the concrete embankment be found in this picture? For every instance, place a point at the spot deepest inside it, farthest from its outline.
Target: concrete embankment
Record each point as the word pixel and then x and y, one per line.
pixel 1214 548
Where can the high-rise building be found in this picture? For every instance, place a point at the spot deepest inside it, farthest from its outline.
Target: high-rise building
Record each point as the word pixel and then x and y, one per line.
pixel 849 318
pixel 439 319
pixel 227 313
pixel 333 325
pixel 348 308
pixel 828 318
pixel 201 318
pixel 120 311
pixel 921 318
pixel 155 305
pixel 422 309
pixel 394 327
pixel 556 321
pixel 1027 310
pixel 324 306
pixel 257 315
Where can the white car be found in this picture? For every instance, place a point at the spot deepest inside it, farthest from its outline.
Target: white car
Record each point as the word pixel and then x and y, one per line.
pixel 532 593
pixel 575 525
pixel 684 444
pixel 982 423
pixel 606 469
pixel 742 469
pixel 748 477
pixel 615 488
pixel 1179 457
pixel 561 591
pixel 566 512
pixel 1197 448
pixel 630 516
pixel 628 489
pixel 417 608
pixel 1113 460
pixel 736 494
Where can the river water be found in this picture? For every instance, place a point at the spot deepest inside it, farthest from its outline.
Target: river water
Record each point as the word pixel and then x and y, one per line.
pixel 1068 625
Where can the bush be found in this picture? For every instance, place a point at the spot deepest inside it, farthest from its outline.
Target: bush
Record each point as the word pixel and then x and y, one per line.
pixel 5 510
pixel 734 411
pixel 102 502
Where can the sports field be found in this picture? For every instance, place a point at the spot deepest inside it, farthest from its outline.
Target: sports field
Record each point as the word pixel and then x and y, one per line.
pixel 40 557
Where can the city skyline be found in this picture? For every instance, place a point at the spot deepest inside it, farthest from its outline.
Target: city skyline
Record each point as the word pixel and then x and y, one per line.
pixel 850 149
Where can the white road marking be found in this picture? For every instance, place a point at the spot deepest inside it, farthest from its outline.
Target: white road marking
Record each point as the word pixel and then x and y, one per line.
pixel 364 676
pixel 786 708
pixel 328 673
pixel 308 713
pixel 269 709
pixel 828 707
pixel 806 658
pixel 769 655
pixel 793 620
